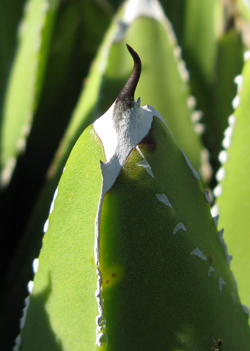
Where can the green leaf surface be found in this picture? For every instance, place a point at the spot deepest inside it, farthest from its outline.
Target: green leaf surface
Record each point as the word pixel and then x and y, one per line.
pixel 234 191
pixel 157 241
pixel 65 287
pixel 26 79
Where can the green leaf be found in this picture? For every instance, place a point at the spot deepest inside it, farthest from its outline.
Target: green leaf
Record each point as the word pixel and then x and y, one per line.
pixel 233 192
pixel 25 80
pixel 126 243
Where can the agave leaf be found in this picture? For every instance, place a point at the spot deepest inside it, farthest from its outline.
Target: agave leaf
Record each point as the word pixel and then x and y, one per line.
pixel 233 192
pixel 70 53
pixel 25 80
pixel 126 243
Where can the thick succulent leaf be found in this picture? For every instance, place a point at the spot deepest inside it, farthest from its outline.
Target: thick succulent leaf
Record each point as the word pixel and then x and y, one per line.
pixel 227 67
pixel 233 192
pixel 25 80
pixel 126 243
pixel 9 19
pixel 70 54
pixel 65 286
pixel 199 37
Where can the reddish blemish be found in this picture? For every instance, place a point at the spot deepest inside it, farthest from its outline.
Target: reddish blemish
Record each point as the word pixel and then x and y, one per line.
pixel 107 281
pixel 113 275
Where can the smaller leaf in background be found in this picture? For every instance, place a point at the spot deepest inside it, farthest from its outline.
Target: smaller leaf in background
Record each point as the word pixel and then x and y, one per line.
pixel 233 191
pixel 25 80
pixel 229 63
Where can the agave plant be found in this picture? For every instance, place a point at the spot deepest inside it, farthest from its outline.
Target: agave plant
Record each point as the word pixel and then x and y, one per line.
pixel 131 258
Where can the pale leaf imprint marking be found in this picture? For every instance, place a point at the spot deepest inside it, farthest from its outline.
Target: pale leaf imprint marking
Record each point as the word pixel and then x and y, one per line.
pixel 197 252
pixel 164 199
pixel 221 284
pixel 211 270
pixel 179 226
pixel 144 163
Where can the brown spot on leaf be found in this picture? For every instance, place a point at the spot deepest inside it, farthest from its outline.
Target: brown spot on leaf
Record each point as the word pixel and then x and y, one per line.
pixel 148 143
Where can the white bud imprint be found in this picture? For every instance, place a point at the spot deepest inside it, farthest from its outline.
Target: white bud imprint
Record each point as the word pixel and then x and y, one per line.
pixel 164 199
pixel 197 252
pixel 234 297
pixel 196 175
pixel 144 163
pixel 179 226
pixel 35 265
pixel 211 270
pixel 221 284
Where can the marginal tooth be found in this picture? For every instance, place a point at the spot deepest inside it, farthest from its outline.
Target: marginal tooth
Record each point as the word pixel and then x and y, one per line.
pixel 223 156
pixel 207 197
pixel 30 286
pixel 197 252
pixel 214 210
pixel 235 281
pixel 246 55
pixel 220 175
pixel 217 190
pixel 236 102
pixel 179 226
pixel 25 310
pixel 226 143
pixel 196 175
pixel 221 284
pixel 216 219
pixel 191 102
pixel 196 116
pixel 35 265
pixel 183 71
pixel 220 233
pixel 46 226
pixel 210 271
pixel 199 128
pixel 239 81
pixel 246 310
pixel 229 131
pixel 232 120
pixel 163 198
pixel 177 52
pixel 17 343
